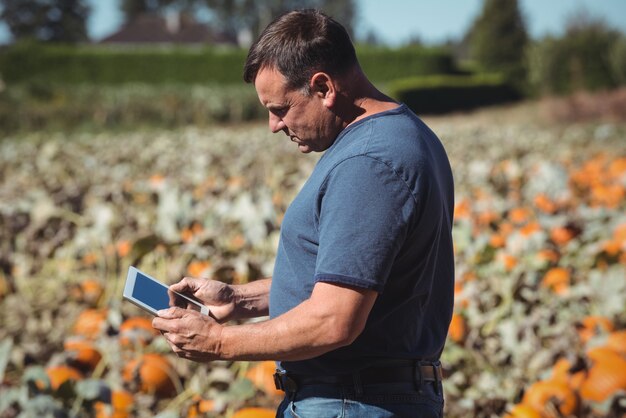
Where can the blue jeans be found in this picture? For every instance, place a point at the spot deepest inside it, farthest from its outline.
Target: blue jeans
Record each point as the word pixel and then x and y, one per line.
pixel 372 401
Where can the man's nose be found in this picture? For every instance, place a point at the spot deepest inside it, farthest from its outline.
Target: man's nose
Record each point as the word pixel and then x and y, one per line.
pixel 276 124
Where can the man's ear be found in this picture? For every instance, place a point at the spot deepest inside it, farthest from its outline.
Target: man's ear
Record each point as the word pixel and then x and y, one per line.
pixel 323 86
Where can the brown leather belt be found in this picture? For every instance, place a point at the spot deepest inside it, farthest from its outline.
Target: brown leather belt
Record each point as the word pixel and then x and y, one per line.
pixel 416 373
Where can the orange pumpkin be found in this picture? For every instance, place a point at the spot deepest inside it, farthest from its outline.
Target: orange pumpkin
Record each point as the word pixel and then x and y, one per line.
pixel 548 255
pixel 523 411
pixel 561 235
pixel 462 210
pixel 598 354
pixel 83 353
pixel 156 181
pixel 545 392
pixel 497 240
pixel 607 195
pixel 617 168
pixel 137 330
pixel 617 341
pixel 123 248
pixel 255 412
pixel 153 372
pixel 262 375
pixel 90 323
pixel 200 407
pixel 5 285
pixel 605 376
pixel 236 243
pixel 520 215
pixel 458 328
pixel 619 233
pixel 89 291
pixel 506 228
pixel 557 279
pixel 61 374
pixel 545 204
pixel 188 234
pixel 459 298
pixel 562 372
pixel 530 228
pixel 198 268
pixel 121 406
pixel 92 290
pixel 590 326
pixel 508 261
pixel 90 259
pixel 487 217
pixel 612 247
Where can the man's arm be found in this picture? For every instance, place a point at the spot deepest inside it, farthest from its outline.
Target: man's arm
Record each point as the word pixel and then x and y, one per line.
pixel 332 317
pixel 252 299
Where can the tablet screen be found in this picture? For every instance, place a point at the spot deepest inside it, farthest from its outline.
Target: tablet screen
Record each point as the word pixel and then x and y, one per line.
pixel 158 296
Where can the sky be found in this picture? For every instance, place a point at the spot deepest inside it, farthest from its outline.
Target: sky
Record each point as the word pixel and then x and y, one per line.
pixel 432 21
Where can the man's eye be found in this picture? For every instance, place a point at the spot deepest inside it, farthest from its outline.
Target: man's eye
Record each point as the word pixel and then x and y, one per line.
pixel 279 112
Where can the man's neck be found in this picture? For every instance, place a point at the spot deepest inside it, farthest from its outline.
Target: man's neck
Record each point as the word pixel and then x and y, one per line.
pixel 358 98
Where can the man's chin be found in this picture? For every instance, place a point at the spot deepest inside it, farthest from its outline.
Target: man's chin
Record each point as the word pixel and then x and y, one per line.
pixel 305 149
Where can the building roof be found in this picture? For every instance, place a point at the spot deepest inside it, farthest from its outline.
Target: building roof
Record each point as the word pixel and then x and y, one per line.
pixel 172 29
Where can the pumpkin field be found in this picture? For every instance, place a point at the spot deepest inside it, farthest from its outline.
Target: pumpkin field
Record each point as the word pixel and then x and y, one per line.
pixel 539 328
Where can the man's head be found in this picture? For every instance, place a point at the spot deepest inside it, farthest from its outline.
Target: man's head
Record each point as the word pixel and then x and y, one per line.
pixel 299 66
pixel 300 43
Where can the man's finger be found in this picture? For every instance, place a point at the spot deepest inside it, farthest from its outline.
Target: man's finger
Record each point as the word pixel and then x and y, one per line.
pixel 162 321
pixel 172 313
pixel 186 285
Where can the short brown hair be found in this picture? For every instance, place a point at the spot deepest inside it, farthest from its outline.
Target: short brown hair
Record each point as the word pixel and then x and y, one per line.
pixel 299 44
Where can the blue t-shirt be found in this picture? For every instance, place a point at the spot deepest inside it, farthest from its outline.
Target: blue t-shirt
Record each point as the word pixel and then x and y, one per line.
pixel 376 213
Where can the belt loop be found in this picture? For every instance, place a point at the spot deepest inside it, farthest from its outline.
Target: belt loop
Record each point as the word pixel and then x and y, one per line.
pixel 283 382
pixel 278 381
pixel 358 386
pixel 436 374
pixel 417 371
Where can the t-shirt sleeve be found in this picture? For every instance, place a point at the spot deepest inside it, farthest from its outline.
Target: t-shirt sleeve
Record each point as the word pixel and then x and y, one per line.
pixel 364 212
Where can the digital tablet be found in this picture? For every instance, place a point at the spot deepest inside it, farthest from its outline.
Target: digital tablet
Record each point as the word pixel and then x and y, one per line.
pixel 152 295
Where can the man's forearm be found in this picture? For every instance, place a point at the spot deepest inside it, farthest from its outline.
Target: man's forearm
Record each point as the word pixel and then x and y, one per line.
pixel 252 299
pixel 331 318
pixel 288 337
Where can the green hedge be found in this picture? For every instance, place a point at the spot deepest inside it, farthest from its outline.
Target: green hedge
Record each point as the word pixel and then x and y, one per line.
pixel 442 94
pixel 38 107
pixel 383 64
pixel 104 65
pixel 98 64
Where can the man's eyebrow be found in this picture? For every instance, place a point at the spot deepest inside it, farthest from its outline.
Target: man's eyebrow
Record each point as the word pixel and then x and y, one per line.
pixel 276 105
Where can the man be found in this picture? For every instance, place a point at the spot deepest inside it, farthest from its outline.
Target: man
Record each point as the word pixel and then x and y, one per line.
pixel 362 291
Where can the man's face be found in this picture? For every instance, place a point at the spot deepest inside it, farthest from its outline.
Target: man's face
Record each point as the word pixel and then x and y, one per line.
pixel 306 119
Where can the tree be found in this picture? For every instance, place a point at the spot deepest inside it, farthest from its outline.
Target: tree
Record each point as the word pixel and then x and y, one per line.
pixel 242 19
pixel 586 57
pixel 498 39
pixel 46 20
pixel 133 8
pixel 252 16
pixel 344 11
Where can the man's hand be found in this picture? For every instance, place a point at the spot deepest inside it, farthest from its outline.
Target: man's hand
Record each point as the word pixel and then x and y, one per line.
pixel 190 334
pixel 334 316
pixel 217 296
